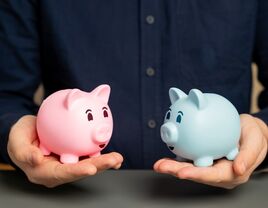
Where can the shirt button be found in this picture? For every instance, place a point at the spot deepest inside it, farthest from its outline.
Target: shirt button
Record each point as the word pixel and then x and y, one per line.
pixel 150 19
pixel 150 71
pixel 152 123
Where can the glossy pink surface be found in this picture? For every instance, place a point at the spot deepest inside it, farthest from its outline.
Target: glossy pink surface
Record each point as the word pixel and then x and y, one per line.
pixel 74 123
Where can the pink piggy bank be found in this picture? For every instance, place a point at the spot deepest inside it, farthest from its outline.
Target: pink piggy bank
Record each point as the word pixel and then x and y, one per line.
pixel 73 123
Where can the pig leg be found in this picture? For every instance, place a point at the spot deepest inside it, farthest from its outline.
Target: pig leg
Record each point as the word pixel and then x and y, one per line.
pixel 95 155
pixel 44 150
pixel 232 154
pixel 204 161
pixel 69 158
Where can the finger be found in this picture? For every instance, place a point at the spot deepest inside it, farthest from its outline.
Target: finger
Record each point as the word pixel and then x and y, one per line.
pixel 89 166
pixel 118 166
pixel 259 160
pixel 74 171
pixel 64 173
pixel 107 161
pixel 221 172
pixel 52 173
pixel 251 144
pixel 169 166
pixel 157 163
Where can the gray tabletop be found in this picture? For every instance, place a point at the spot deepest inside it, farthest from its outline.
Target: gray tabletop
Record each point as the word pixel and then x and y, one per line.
pixel 138 188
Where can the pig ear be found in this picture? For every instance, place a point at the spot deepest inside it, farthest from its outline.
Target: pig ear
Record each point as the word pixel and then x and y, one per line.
pixel 176 94
pixel 72 97
pixel 198 98
pixel 102 92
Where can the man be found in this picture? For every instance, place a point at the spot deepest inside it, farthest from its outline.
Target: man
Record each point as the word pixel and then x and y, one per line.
pixel 140 48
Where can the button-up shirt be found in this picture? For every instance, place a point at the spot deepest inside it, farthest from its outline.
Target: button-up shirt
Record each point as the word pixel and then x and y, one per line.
pixel 140 48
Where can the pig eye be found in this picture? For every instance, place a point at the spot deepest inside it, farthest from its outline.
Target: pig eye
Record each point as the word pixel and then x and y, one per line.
pixel 178 120
pixel 179 117
pixel 105 112
pixel 168 115
pixel 89 115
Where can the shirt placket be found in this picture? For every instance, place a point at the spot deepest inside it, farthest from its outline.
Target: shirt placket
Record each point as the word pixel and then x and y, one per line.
pixel 150 50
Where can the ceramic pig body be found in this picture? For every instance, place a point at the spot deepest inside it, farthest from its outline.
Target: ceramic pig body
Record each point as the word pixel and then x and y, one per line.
pixel 201 127
pixel 74 123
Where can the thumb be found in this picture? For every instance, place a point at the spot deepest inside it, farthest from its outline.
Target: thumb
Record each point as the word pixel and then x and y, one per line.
pixel 27 155
pixel 23 141
pixel 34 157
pixel 251 144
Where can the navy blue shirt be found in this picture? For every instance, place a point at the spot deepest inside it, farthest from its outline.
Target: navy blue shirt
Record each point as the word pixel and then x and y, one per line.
pixel 140 48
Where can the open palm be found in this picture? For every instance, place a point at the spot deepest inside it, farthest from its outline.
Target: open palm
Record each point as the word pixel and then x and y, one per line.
pixel 47 170
pixel 224 173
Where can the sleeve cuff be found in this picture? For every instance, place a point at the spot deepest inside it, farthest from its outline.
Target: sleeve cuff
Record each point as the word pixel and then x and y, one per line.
pixel 263 115
pixel 6 122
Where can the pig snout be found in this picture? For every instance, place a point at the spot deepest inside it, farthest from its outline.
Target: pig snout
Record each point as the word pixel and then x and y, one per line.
pixel 169 133
pixel 102 134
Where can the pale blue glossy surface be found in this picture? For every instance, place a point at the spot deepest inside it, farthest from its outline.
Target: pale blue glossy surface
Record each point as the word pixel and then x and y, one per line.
pixel 201 127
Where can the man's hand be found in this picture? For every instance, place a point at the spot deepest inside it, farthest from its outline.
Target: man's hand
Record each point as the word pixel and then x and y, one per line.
pixel 224 173
pixel 47 170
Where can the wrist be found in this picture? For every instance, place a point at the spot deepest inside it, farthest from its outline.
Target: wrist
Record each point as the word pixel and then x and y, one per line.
pixel 263 127
pixel 264 130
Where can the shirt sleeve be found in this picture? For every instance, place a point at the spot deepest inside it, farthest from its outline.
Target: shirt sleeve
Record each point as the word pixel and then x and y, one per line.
pixel 261 59
pixel 19 64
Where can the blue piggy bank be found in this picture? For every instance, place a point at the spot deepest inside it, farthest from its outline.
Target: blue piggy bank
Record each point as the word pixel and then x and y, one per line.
pixel 201 127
